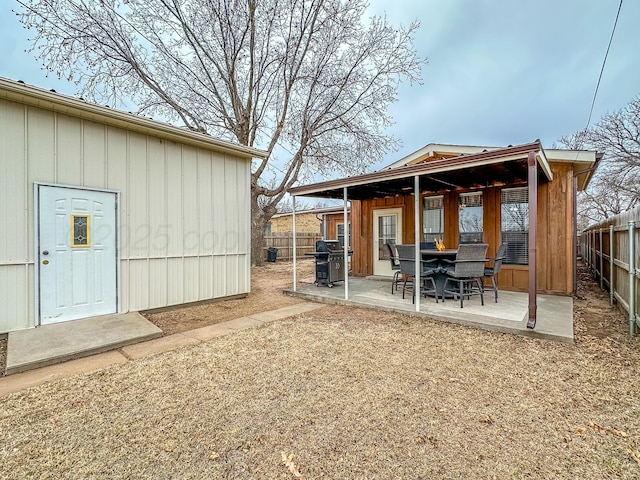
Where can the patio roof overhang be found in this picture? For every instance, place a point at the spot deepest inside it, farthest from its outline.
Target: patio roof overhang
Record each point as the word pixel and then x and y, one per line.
pixel 524 164
pixel 505 166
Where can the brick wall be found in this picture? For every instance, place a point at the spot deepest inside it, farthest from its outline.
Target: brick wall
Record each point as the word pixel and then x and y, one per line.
pixel 305 223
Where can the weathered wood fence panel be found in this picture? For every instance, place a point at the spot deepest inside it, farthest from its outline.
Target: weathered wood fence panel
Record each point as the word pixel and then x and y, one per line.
pixel 611 250
pixel 305 242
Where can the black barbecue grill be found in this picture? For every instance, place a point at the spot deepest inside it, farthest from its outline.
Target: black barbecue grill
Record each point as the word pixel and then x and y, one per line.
pixel 330 262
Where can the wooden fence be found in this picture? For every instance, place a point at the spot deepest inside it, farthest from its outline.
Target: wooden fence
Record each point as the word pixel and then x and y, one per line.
pixel 305 242
pixel 611 250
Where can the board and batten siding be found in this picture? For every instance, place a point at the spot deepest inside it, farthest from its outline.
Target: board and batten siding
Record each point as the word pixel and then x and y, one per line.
pixel 184 211
pixel 554 243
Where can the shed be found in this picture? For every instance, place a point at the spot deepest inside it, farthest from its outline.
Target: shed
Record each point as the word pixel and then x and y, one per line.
pixel 107 212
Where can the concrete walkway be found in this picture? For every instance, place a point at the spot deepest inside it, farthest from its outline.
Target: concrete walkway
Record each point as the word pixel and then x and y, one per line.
pixel 123 354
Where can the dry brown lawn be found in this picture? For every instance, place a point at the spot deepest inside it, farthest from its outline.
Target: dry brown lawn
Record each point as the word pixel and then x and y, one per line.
pixel 345 393
pixel 267 283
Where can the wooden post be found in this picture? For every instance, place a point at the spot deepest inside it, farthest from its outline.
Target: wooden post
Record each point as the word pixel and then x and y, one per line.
pixel 632 278
pixel 533 220
pixel 611 263
pixel 601 260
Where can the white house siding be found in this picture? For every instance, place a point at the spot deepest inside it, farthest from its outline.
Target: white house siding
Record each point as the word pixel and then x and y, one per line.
pixel 184 210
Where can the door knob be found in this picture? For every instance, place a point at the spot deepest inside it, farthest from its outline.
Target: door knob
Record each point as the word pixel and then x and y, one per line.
pixel 45 262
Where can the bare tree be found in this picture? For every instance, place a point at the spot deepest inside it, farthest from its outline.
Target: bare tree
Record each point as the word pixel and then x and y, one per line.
pixel 515 217
pixel 286 205
pixel 615 187
pixel 306 80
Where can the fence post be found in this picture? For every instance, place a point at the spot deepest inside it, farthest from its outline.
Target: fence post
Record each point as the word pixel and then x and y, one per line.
pixel 611 264
pixel 589 250
pixel 601 261
pixel 632 279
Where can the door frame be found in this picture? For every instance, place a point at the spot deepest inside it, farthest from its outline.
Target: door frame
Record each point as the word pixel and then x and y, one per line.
pixel 398 210
pixel 36 242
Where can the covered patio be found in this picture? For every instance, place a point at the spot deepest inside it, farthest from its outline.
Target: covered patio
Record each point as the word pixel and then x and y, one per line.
pixel 555 313
pixel 548 187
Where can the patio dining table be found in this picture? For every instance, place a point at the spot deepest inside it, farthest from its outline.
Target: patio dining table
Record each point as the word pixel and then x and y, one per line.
pixel 440 266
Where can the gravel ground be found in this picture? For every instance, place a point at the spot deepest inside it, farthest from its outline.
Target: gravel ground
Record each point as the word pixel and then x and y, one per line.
pixel 344 393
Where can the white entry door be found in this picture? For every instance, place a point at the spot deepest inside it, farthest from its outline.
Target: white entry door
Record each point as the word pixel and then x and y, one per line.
pixel 387 225
pixel 76 253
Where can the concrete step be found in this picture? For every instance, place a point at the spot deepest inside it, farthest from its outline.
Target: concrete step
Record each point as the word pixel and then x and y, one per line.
pixel 59 342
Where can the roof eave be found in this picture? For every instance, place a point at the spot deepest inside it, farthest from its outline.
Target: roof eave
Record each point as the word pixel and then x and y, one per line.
pixel 439 166
pixel 38 97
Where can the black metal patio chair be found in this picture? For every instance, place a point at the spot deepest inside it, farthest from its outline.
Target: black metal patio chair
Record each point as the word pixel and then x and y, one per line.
pixel 395 264
pixel 406 256
pixel 466 272
pixel 491 272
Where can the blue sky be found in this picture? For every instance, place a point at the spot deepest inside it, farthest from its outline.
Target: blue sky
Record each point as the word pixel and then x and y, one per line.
pixel 500 72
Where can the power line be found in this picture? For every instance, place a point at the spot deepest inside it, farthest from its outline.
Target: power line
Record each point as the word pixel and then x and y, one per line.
pixel 595 94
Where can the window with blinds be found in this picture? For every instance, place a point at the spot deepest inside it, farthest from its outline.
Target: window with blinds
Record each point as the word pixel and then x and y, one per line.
pixel 514 211
pixel 432 218
pixel 341 234
pixel 470 217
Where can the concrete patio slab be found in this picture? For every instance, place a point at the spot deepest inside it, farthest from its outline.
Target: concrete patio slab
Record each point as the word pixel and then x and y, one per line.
pixel 59 342
pixel 509 315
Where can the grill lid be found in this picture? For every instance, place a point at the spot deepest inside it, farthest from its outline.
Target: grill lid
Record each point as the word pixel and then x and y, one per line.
pixel 329 246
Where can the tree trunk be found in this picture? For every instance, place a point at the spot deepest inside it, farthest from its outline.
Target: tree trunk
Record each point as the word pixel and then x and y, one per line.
pixel 260 216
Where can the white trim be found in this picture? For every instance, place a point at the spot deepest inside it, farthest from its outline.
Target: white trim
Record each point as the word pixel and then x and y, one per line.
pixel 36 254
pixel 62 185
pixel 295 256
pixel 430 150
pixel 346 239
pixel 417 200
pixel 375 235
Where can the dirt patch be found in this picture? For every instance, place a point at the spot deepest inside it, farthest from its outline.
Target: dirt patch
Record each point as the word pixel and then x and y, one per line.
pixel 3 356
pixel 593 316
pixel 267 284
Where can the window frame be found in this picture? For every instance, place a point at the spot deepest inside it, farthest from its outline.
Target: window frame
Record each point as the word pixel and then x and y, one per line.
pixel 431 236
pixel 475 236
pixel 341 241
pixel 517 239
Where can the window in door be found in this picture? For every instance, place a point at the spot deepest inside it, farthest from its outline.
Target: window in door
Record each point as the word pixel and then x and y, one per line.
pixel 387 225
pixel 80 231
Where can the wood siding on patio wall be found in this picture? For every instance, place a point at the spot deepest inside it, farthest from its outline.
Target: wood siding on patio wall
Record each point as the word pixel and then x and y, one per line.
pixel 332 221
pixel 554 237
